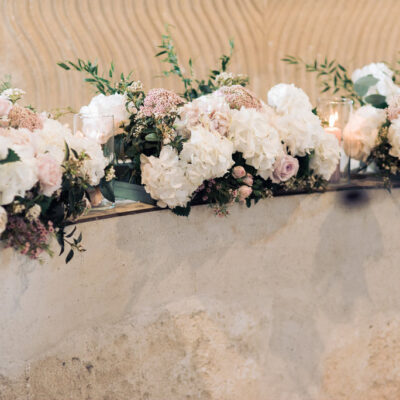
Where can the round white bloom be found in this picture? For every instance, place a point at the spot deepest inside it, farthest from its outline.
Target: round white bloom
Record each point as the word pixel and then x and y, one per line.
pixel 394 138
pixel 385 85
pixel 361 132
pixel 19 140
pixel 33 213
pixel 326 154
pixel 207 156
pixel 253 134
pixel 3 219
pixel 296 123
pixel 288 99
pixel 51 139
pixel 165 180
pixel 16 178
pixel 108 105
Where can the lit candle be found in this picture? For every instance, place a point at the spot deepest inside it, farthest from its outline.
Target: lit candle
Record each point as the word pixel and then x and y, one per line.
pixel 332 129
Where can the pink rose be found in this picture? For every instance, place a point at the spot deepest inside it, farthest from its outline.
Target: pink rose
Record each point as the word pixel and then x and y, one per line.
pixel 5 106
pixel 284 168
pixel 49 174
pixel 244 192
pixel 238 172
pixel 248 180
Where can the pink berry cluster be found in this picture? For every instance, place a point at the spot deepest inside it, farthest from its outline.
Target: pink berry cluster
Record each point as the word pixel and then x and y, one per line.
pixel 238 96
pixel 28 237
pixel 160 102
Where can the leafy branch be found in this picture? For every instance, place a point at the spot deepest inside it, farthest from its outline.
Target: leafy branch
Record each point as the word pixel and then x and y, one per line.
pixel 332 76
pixel 102 84
pixel 193 87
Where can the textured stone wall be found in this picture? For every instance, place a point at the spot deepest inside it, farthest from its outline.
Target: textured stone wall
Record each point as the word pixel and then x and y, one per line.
pixel 35 34
pixel 295 299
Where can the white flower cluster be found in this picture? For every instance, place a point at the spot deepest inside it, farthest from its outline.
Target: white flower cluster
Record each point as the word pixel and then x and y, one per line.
pixel 300 129
pixel 253 134
pixel 394 138
pixel 361 132
pixel 171 179
pixel 385 85
pixel 214 131
pixel 41 154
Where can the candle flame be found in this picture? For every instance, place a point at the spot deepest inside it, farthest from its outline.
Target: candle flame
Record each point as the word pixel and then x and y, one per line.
pixel 332 119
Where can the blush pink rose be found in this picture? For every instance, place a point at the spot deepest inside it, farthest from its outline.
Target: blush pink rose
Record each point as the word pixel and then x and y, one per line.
pixel 5 106
pixel 284 168
pixel 248 180
pixel 238 172
pixel 244 192
pixel 49 174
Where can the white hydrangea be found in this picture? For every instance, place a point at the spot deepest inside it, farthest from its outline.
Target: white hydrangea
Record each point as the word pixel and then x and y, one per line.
pixel 108 105
pixel 326 154
pixel 16 178
pixel 165 180
pixel 207 155
pixel 295 122
pixel 51 139
pixel 288 99
pixel 394 138
pixel 361 132
pixel 3 219
pixel 253 134
pixel 385 85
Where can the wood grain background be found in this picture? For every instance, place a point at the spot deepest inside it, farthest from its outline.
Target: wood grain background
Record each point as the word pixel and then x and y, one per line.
pixel 35 34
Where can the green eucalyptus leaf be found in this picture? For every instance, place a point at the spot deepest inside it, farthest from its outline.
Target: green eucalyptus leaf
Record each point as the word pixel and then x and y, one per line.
pixel 69 256
pixel 12 156
pixel 362 85
pixel 106 189
pixel 376 100
pixel 152 137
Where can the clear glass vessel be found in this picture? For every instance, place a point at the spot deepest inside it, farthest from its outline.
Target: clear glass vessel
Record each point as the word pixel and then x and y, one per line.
pixel 335 114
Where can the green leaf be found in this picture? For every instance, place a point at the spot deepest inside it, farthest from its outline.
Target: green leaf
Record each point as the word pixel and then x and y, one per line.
pixel 12 156
pixel 69 256
pixel 152 137
pixel 182 211
pixel 106 189
pixel 362 85
pixel 62 65
pixel 376 100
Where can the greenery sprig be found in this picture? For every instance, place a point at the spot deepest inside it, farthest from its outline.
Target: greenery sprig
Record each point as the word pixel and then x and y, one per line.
pixel 193 87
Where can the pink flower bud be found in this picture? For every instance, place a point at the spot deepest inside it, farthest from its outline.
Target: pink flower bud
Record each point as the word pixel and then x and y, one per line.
pixel 238 172
pixel 248 180
pixel 244 192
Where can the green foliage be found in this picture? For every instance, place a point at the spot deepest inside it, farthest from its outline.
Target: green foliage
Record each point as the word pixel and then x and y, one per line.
pixel 376 100
pixel 193 87
pixel 332 76
pixel 12 156
pixel 102 84
pixel 363 84
pixel 182 211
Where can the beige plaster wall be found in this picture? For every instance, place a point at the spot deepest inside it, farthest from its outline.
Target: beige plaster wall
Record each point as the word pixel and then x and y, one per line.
pixel 295 299
pixel 35 34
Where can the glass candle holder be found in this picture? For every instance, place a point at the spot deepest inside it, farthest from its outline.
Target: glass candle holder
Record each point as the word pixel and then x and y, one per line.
pixel 334 114
pixel 100 128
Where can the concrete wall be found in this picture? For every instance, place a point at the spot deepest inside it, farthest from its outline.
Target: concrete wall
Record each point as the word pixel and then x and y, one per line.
pixel 35 34
pixel 295 299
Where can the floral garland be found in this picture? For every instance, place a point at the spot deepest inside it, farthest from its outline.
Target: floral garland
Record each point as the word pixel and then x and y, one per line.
pixel 215 143
pixel 45 175
pixel 372 134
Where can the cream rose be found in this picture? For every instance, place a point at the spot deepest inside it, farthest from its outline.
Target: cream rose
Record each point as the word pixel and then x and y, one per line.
pixel 284 168
pixel 49 174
